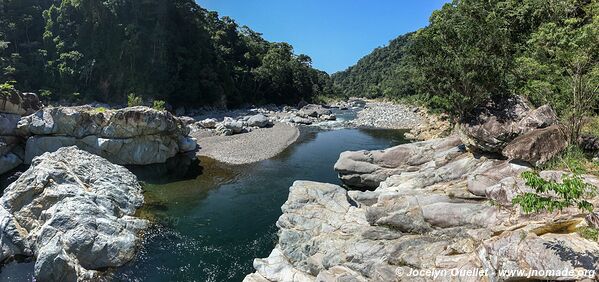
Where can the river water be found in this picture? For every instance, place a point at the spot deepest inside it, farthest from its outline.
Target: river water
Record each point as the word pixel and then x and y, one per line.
pixel 212 219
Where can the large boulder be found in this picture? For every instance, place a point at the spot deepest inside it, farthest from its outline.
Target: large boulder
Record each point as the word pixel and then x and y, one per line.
pixel 491 127
pixel 74 213
pixel 314 111
pixel 538 146
pixel 15 102
pixel 137 135
pixel 258 120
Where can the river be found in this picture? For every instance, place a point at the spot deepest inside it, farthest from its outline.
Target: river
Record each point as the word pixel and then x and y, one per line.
pixel 213 219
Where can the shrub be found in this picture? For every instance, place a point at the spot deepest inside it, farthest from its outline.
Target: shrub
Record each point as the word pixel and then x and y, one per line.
pixel 159 105
pixel 133 100
pixel 573 159
pixel 551 195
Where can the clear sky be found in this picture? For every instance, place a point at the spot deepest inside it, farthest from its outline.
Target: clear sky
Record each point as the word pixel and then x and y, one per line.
pixel 335 33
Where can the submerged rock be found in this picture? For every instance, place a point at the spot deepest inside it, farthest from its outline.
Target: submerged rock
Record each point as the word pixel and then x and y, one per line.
pixel 72 211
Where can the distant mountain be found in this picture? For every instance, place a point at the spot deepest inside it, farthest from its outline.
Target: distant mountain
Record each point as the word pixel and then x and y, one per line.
pixel 376 74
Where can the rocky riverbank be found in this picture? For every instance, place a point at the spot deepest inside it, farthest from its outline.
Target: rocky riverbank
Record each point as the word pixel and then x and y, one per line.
pixel 442 205
pixel 440 208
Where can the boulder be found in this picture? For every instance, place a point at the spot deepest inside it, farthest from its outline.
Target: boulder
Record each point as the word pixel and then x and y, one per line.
pixel 17 103
pixel 235 126
pixel 537 146
pixel 590 144
pixel 209 123
pixel 313 110
pixel 491 127
pixel 73 212
pixel 187 144
pixel 258 120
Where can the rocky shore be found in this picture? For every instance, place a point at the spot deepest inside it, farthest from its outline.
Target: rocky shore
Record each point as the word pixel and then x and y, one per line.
pixel 441 205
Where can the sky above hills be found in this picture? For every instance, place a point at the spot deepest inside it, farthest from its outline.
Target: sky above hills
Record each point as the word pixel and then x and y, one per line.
pixel 335 33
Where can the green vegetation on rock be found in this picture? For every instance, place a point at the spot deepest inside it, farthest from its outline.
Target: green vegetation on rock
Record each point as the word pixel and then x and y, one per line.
pixel 552 195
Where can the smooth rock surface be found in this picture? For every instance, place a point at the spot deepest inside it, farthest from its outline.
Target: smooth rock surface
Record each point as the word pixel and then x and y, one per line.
pixel 141 150
pixel 367 169
pixel 72 211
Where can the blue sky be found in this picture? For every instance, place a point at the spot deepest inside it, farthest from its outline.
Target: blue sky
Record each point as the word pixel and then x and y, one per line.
pixel 335 33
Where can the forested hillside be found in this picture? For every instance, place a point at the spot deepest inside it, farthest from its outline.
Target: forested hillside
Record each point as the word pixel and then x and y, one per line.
pixel 173 50
pixel 376 74
pixel 472 50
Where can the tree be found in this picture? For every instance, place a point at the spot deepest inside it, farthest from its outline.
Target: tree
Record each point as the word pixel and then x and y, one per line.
pixel 562 66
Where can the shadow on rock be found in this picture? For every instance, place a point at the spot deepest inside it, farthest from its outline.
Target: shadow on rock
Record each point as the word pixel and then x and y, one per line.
pixel 178 168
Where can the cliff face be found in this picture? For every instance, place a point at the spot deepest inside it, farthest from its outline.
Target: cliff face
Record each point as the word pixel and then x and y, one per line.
pixel 436 206
pixel 137 135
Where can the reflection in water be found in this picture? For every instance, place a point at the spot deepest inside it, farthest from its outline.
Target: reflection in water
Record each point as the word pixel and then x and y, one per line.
pixel 179 167
pixel 211 219
pixel 211 228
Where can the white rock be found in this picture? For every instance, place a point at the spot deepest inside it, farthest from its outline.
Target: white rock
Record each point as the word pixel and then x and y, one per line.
pixel 73 211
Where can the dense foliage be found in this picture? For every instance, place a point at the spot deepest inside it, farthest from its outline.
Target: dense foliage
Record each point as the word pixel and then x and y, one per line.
pixel 173 50
pixel 377 74
pixel 472 50
pixel 551 195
